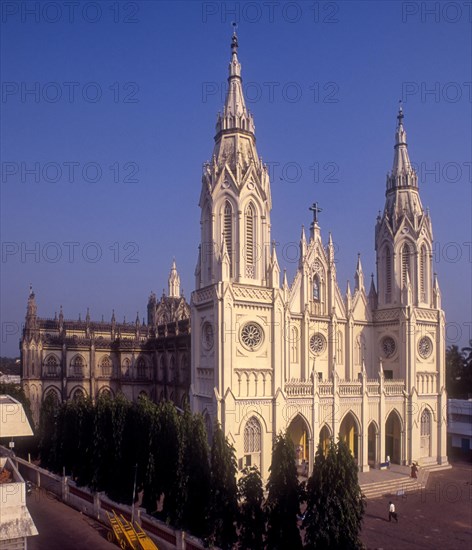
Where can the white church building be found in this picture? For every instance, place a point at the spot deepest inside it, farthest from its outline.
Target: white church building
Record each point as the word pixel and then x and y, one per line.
pixel 269 355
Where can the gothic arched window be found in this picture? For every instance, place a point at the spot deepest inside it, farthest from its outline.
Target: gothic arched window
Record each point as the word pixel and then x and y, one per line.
pixel 228 233
pixel 141 367
pixel 405 264
pixel 388 275
pixel 339 348
pixel 316 288
pixel 423 275
pixel 250 241
pixel 252 442
pixel 294 344
pixel 51 365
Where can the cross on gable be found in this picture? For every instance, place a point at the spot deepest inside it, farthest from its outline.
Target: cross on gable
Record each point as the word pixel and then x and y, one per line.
pixel 316 210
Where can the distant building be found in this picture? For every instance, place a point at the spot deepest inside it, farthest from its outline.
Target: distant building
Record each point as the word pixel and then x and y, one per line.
pixel 459 427
pixel 72 358
pixel 10 378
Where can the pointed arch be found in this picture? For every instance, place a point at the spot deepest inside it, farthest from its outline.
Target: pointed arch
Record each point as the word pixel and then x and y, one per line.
pixel 424 276
pixel 250 240
pixel 252 442
pixel 294 344
pixel 316 288
pixel 125 367
pixel 349 433
pixel 141 367
pixel 77 365
pixel 393 436
pixel 105 366
pixel 51 365
pixel 54 393
pixel 326 435
pixel 372 443
pixel 228 232
pixel 426 432
pixel 388 275
pixel 299 432
pixel 406 267
pixel 339 348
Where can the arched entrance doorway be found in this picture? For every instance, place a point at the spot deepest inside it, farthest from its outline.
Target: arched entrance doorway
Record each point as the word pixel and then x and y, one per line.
pixel 325 438
pixel 372 435
pixel 349 433
pixel 393 431
pixel 298 433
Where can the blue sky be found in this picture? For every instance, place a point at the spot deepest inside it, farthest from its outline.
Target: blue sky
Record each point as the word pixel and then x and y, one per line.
pixel 108 111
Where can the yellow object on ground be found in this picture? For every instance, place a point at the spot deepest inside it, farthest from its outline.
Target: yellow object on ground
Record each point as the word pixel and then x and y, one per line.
pixel 128 536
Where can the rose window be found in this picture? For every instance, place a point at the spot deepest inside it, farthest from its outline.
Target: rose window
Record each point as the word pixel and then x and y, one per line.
pixel 317 343
pixel 425 347
pixel 388 346
pixel 251 336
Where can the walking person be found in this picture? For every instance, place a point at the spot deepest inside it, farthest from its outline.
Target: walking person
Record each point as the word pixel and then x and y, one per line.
pixel 391 512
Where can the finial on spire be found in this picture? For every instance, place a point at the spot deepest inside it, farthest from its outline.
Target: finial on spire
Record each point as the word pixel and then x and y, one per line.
pixel 400 115
pixel 31 292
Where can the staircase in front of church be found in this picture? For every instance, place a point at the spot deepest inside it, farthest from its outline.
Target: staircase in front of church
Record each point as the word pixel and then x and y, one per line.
pixel 396 481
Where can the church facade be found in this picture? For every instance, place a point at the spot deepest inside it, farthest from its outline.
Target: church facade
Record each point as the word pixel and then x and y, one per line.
pixel 269 356
pixel 261 355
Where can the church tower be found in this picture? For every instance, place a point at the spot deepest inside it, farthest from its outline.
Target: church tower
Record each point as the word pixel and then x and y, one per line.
pixel 408 320
pixel 237 307
pixel 403 236
pixel 235 198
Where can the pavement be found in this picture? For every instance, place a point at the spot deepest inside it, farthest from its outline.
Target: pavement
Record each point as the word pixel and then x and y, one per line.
pixel 63 528
pixel 439 516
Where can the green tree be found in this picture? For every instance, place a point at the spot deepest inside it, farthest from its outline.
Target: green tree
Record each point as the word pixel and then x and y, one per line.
pixel 335 505
pixel 455 364
pixel 102 442
pixel 283 500
pixel 223 491
pixel 196 476
pixel 252 519
pixel 167 451
pixel 49 434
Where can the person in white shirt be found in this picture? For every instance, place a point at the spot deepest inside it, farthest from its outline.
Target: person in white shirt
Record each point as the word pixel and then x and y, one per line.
pixel 391 512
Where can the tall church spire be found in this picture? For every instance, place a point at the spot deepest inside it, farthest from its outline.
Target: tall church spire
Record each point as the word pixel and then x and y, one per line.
pixel 401 160
pixel 235 114
pixel 402 182
pixel 235 197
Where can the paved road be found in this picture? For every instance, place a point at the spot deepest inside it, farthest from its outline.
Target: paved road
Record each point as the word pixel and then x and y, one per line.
pixel 63 528
pixel 439 516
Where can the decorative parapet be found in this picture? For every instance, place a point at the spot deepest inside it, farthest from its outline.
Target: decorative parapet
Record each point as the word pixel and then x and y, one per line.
pixel 297 388
pixel 348 387
pixel 394 387
pixel 344 388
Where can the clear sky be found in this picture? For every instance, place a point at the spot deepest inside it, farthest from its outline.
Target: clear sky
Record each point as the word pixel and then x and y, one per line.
pixel 108 111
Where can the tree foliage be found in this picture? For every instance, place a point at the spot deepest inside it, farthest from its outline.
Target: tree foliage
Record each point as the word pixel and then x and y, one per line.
pixel 459 371
pixel 223 509
pixel 283 501
pixel 252 518
pixel 195 476
pixel 335 505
